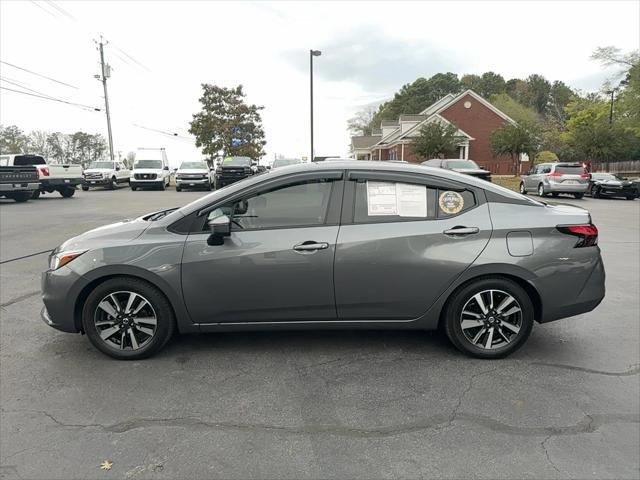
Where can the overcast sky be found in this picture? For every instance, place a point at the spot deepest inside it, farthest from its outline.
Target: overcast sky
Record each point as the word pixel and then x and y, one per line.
pixel 369 50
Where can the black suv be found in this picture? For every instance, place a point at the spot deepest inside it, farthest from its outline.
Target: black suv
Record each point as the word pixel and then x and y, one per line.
pixel 232 169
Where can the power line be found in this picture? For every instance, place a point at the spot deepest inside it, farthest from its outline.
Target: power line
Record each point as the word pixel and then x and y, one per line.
pixel 130 57
pixel 86 107
pixel 43 9
pixel 39 74
pixel 61 10
pixel 5 79
pixel 164 132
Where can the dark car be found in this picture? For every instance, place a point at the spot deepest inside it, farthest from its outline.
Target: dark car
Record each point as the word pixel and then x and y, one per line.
pixel 468 167
pixel 611 185
pixel 346 245
pixel 232 169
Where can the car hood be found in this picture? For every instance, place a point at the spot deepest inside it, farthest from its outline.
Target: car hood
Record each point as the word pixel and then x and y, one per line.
pixel 199 171
pixel 471 171
pixel 225 167
pixel 615 183
pixel 148 170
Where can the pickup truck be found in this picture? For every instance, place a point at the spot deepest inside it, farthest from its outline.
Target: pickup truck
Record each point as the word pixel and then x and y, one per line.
pixel 62 178
pixel 18 183
pixel 105 173
pixel 232 169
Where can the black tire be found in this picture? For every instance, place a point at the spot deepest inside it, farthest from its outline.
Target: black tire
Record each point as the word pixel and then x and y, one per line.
pixel 452 321
pixel 554 195
pixel 541 190
pixel 165 326
pixel 630 197
pixel 178 189
pixel 67 192
pixel 163 186
pixel 113 184
pixel 595 191
pixel 85 188
pixel 35 195
pixel 21 197
pixel 578 196
pixel 133 188
pixel 523 190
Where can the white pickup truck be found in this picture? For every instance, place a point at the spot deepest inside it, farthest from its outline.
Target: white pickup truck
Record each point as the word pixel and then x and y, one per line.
pixel 105 173
pixel 62 178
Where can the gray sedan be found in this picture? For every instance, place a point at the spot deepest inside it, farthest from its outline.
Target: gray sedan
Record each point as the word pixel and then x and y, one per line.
pixel 331 245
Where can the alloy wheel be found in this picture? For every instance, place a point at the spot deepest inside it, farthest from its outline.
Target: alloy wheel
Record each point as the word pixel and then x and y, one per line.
pixel 125 320
pixel 491 319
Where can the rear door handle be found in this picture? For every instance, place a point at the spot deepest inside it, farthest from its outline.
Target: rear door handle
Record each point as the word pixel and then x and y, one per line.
pixel 310 246
pixel 455 231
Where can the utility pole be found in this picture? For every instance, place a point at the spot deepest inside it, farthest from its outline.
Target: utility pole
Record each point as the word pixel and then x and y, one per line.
pixel 312 53
pixel 106 73
pixel 611 108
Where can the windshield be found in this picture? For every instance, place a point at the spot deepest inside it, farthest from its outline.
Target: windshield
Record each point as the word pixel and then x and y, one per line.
pixel 236 162
pixel 194 165
pixel 461 164
pixel 605 176
pixel 283 162
pixel 148 164
pixel 101 165
pixel 570 170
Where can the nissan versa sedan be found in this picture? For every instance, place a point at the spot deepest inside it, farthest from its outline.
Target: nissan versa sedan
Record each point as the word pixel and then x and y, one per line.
pixel 335 245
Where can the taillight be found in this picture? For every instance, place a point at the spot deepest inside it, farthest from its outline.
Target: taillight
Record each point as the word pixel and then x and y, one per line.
pixel 555 174
pixel 44 171
pixel 585 175
pixel 587 234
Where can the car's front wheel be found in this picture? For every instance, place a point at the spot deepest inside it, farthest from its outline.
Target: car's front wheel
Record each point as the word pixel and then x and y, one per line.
pixel 489 318
pixel 127 318
pixel 595 191
pixel 523 190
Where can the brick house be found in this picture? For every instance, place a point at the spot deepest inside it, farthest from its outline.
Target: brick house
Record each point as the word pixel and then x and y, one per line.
pixel 473 116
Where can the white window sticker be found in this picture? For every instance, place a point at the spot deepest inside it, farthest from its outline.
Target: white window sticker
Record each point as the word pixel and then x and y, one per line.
pixel 411 200
pixel 402 199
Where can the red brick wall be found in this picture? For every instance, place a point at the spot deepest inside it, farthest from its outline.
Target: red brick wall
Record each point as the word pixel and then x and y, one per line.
pixel 479 121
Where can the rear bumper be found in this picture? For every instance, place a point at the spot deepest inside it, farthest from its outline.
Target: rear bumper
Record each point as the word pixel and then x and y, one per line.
pixel 60 182
pixel 18 187
pixel 561 188
pixel 592 293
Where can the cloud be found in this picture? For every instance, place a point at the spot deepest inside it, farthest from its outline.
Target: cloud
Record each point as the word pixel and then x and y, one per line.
pixel 369 58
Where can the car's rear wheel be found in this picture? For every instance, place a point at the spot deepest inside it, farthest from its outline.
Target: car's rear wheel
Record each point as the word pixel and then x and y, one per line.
pixel 178 189
pixel 523 190
pixel 578 196
pixel 541 191
pixel 113 184
pixel 67 192
pixel 24 196
pixel 489 318
pixel 85 188
pixel 127 318
pixel 630 197
pixel 35 195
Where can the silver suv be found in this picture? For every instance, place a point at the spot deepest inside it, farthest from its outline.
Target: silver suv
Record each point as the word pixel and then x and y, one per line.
pixel 556 178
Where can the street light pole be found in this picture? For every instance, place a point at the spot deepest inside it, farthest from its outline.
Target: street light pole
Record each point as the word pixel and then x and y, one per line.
pixel 312 53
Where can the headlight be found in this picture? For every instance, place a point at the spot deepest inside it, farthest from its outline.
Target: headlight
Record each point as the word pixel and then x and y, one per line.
pixel 62 258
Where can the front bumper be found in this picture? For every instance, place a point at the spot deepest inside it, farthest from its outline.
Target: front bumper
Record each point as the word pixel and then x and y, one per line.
pixel 19 187
pixel 60 289
pixel 146 183
pixel 192 182
pixel 228 180
pixel 566 188
pixel 96 181
pixel 617 192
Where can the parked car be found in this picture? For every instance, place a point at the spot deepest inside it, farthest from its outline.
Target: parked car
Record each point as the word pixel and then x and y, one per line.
pixel 151 169
pixel 556 178
pixel 107 174
pixel 53 177
pixel 194 175
pixel 468 167
pixel 611 185
pixel 232 169
pixel 285 162
pixel 18 182
pixel 333 245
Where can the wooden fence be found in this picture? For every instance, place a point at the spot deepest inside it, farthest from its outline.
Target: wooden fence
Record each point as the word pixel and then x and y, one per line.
pixel 629 167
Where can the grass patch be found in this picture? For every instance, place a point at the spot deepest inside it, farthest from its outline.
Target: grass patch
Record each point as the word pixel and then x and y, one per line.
pixel 512 183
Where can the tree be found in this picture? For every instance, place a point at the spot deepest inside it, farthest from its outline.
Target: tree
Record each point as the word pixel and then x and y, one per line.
pixel 559 97
pixel 514 109
pixel 228 124
pixel 491 83
pixel 130 159
pixel 37 143
pixel 544 157
pixel 539 90
pixel 435 139
pixel 360 124
pixel 12 140
pixel 514 140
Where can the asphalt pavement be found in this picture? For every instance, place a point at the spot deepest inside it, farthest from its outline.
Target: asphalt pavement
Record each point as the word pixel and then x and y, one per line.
pixel 313 404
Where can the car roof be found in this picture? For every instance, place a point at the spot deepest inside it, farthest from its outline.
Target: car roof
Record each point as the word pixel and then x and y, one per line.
pixel 356 165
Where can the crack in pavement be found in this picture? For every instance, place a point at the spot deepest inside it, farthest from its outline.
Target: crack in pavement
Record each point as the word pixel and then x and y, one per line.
pixel 454 412
pixel 20 298
pixel 546 453
pixel 588 424
pixel 634 370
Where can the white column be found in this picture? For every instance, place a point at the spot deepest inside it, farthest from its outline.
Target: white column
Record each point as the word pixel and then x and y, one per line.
pixel 402 154
pixel 466 151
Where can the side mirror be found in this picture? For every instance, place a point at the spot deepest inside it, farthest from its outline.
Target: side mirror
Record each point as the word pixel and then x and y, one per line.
pixel 166 167
pixel 220 227
pixel 117 168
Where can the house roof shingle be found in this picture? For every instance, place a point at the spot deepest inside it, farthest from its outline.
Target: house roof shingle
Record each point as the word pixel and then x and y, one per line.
pixel 364 141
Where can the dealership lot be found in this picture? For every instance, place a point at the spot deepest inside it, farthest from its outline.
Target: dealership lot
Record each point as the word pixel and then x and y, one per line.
pixel 313 404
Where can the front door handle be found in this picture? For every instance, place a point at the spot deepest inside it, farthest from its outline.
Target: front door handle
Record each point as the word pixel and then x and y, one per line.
pixel 455 231
pixel 310 246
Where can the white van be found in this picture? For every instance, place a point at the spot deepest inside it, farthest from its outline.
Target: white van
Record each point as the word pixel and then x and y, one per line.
pixel 150 169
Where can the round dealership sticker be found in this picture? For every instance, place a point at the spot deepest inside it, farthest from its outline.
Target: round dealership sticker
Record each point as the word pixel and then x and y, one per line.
pixel 451 202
